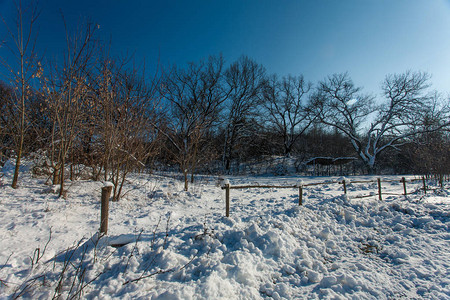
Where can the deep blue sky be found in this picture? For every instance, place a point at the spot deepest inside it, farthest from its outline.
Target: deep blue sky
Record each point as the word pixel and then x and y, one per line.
pixel 367 38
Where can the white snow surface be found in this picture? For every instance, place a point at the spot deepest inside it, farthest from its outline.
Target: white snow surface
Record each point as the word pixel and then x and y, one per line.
pixel 165 243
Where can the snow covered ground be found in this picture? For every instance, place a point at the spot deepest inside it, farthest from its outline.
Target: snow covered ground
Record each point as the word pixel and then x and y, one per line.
pixel 164 243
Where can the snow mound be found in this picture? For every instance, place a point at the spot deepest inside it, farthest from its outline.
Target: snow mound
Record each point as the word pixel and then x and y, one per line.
pixel 180 246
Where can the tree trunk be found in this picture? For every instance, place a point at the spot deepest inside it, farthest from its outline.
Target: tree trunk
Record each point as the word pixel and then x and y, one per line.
pixel 115 180
pixel 287 149
pixel 119 192
pixel 71 171
pixel 16 169
pixel 61 180
pixel 227 164
pixel 185 173
pixel 371 169
pixel 55 179
pixel 22 127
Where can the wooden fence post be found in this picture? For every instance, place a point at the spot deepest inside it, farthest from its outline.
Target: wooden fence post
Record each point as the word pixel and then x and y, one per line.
pixel 404 185
pixel 345 186
pixel 424 184
pixel 379 189
pixel 106 193
pixel 300 195
pixel 227 200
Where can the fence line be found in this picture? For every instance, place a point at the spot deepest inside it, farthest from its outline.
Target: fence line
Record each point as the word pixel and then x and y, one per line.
pixel 227 187
pixel 237 187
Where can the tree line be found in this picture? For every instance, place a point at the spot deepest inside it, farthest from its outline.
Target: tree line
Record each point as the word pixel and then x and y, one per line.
pixel 106 113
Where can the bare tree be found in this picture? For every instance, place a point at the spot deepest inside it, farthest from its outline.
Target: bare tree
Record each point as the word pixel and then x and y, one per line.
pixel 65 91
pixel 429 149
pixel 25 69
pixel 374 128
pixel 195 96
pixel 429 154
pixel 287 108
pixel 105 86
pixel 245 80
pixel 130 109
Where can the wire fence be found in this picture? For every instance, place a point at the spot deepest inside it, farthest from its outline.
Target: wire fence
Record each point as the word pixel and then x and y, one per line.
pixel 302 186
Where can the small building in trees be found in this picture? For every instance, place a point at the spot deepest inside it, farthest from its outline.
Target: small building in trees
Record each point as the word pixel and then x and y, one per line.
pixel 331 165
